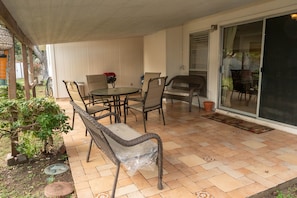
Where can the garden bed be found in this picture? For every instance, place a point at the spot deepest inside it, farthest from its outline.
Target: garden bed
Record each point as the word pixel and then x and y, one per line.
pixel 28 179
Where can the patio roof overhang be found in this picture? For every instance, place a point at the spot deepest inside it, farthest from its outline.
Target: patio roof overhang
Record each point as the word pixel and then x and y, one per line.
pixel 48 22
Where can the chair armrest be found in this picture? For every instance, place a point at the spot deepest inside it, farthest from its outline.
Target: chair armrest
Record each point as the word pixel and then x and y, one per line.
pixel 192 90
pixel 97 102
pixel 118 119
pixel 135 141
pixel 169 82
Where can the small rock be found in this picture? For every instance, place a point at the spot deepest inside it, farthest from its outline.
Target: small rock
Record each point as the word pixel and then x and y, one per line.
pixel 11 161
pixel 62 149
pixel 22 159
pixel 58 189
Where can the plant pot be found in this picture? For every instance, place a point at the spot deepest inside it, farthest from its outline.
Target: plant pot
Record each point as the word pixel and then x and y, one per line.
pixel 208 105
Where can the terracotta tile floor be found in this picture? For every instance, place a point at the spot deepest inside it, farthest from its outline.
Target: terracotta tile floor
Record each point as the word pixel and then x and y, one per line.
pixel 201 157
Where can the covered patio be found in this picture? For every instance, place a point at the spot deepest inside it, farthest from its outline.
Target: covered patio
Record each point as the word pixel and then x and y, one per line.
pixel 202 158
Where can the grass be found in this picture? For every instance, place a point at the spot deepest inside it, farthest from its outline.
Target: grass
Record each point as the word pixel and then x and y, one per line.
pixel 4 149
pixel 290 192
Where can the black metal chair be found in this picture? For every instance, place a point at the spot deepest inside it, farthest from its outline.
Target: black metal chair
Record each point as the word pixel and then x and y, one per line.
pixel 146 77
pixel 152 99
pixel 242 82
pixel 75 96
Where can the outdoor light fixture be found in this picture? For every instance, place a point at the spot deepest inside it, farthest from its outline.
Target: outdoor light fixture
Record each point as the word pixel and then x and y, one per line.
pixel 294 16
pixel 6 41
pixel 213 27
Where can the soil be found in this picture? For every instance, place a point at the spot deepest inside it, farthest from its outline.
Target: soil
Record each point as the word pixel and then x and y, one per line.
pixel 29 180
pixel 285 190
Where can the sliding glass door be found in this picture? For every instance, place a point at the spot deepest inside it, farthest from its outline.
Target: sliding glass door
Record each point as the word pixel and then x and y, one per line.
pixel 241 66
pixel 279 73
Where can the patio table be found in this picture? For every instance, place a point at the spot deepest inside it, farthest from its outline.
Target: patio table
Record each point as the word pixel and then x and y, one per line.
pixel 116 94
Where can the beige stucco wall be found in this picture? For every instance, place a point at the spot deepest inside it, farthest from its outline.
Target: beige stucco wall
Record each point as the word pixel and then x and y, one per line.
pixel 174 55
pixel 163 52
pixel 154 53
pixel 73 61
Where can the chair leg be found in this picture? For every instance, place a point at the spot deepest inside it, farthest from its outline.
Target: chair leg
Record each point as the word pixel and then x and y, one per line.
pixel 118 119
pixel 89 152
pixel 162 116
pixel 125 111
pixel 73 116
pixel 144 119
pixel 115 181
pixel 110 119
pixel 160 165
pixel 160 174
pixel 198 102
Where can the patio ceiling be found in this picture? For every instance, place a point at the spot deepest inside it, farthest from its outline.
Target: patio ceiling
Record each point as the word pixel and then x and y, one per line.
pixel 61 21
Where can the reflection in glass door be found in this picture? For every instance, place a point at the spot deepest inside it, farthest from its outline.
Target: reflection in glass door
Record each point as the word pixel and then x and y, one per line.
pixel 241 66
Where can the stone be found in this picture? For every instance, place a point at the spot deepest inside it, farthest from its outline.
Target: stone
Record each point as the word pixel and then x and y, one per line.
pixel 58 189
pixel 62 149
pixel 11 161
pixel 21 158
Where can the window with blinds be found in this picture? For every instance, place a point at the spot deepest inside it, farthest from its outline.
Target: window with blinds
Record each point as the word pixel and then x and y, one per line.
pixel 199 57
pixel 199 51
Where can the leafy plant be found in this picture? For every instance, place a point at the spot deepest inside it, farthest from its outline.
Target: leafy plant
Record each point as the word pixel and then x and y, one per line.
pixel 19 91
pixel 40 117
pixel 29 145
pixel 280 194
pixel 289 192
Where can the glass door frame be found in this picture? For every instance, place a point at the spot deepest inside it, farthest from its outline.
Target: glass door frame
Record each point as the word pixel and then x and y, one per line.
pixel 260 24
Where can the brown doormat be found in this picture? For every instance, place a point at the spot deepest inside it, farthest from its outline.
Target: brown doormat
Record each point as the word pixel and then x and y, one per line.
pixel 248 126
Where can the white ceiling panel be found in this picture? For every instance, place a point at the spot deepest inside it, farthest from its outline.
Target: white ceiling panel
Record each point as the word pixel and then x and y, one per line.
pixel 61 21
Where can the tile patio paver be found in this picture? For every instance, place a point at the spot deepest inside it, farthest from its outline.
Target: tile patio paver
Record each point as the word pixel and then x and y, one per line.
pixel 200 155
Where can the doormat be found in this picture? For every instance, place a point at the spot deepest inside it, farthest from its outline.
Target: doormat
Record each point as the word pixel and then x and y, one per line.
pixel 248 126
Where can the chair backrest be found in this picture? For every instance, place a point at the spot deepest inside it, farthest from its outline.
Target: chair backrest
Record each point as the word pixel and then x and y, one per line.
pixel 154 94
pixel 97 81
pixel 74 93
pixel 146 78
pixel 246 76
pixel 187 82
pixel 242 80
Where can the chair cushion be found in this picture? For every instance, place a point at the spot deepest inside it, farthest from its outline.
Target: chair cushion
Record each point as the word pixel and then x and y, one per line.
pixel 134 157
pixel 177 92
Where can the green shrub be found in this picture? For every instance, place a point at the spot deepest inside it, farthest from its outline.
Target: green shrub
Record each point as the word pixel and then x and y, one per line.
pixel 37 117
pixel 29 145
pixel 19 91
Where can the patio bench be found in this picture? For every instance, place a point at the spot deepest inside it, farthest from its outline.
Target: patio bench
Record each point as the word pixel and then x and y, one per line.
pixel 122 144
pixel 184 88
